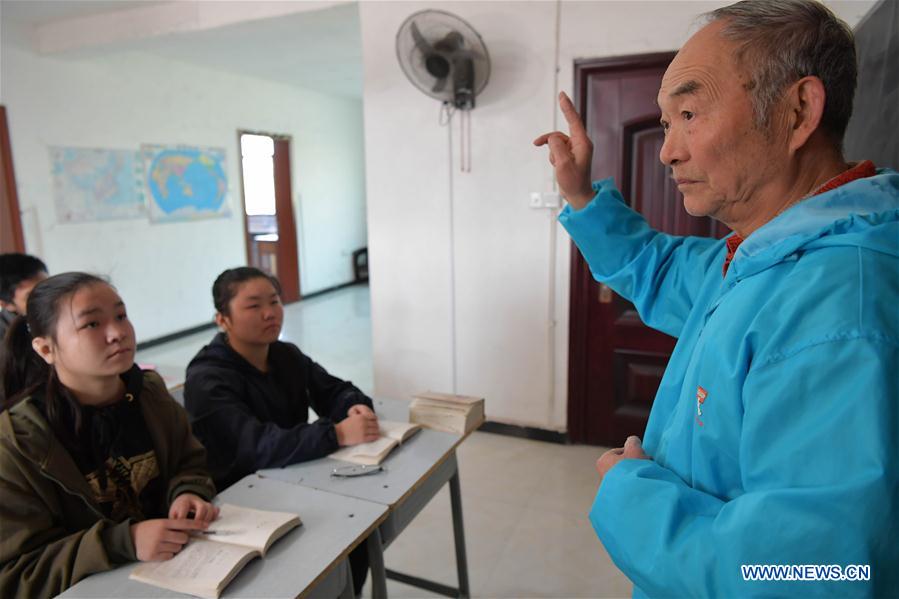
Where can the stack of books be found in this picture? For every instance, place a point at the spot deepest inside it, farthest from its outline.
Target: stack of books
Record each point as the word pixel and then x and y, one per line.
pixel 449 413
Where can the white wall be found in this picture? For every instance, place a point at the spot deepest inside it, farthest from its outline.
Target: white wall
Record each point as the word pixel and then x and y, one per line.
pixel 123 99
pixel 506 314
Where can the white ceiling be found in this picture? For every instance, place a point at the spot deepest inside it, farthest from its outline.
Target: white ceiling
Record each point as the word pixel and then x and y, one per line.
pixel 317 49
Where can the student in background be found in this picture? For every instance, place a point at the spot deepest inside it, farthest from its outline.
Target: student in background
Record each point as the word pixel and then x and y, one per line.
pixel 98 466
pixel 249 394
pixel 19 273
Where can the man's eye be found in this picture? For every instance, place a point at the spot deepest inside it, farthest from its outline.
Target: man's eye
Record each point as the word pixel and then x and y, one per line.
pixel 90 325
pixel 252 306
pixel 688 116
pixel 122 317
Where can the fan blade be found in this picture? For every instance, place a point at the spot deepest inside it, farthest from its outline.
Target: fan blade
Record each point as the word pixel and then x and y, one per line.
pixel 420 42
pixel 439 85
pixel 474 54
pixel 451 42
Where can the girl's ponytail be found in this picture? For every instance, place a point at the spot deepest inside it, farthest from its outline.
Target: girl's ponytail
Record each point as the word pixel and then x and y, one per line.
pixel 22 369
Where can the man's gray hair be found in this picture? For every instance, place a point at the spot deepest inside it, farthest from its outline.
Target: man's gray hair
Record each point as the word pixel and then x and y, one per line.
pixel 782 41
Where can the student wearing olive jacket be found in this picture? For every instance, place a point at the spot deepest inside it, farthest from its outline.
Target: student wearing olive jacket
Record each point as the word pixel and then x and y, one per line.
pixel 98 466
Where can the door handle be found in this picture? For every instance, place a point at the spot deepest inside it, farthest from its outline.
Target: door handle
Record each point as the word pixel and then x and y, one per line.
pixel 605 294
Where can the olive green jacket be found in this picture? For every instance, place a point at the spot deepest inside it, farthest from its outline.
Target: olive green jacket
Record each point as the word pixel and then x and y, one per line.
pixel 52 532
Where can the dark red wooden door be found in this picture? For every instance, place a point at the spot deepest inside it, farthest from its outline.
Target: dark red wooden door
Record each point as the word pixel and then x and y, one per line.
pixel 11 238
pixel 288 258
pixel 615 361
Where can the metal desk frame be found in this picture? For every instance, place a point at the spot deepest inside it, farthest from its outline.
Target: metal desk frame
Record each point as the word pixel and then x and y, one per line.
pixel 416 471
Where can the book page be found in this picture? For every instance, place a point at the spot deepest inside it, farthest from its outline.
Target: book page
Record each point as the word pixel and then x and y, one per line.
pixel 397 430
pixel 422 404
pixel 197 569
pixel 365 453
pixel 238 525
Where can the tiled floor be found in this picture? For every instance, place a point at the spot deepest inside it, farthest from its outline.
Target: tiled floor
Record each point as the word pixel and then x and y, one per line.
pixel 525 502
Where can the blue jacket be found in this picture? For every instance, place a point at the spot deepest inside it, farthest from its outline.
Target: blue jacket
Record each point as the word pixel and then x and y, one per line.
pixel 792 457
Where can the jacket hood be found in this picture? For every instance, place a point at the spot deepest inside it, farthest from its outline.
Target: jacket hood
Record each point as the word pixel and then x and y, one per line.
pixel 218 354
pixel 863 214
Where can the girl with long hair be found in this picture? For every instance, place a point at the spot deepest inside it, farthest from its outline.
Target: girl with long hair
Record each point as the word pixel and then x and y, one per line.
pixel 98 466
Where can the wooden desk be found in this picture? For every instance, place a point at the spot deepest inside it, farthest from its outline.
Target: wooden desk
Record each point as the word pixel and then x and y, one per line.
pixel 416 471
pixel 310 561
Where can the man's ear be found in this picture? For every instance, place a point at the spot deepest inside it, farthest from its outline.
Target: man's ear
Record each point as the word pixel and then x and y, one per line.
pixel 223 322
pixel 805 104
pixel 44 349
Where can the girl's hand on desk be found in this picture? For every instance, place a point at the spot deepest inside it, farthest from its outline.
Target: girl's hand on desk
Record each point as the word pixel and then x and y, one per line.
pixel 160 539
pixel 357 427
pixel 360 408
pixel 188 503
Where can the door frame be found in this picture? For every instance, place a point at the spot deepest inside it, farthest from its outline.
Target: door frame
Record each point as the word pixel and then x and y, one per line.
pixel 12 238
pixel 579 404
pixel 288 244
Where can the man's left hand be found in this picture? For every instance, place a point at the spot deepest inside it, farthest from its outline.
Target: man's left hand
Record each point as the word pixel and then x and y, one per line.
pixel 632 450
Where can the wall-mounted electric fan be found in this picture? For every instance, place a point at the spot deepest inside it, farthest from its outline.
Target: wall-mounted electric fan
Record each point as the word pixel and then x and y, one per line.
pixel 444 57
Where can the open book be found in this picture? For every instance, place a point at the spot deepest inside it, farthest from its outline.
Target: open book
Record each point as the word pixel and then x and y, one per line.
pixel 209 561
pixel 374 452
pixel 449 413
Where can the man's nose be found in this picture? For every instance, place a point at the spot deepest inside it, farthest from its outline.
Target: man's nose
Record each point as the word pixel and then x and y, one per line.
pixel 673 149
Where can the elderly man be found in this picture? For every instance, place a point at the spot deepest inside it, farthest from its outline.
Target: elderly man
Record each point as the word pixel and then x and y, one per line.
pixel 774 436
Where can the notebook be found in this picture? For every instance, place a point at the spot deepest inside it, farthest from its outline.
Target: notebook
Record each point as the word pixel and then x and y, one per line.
pixel 210 560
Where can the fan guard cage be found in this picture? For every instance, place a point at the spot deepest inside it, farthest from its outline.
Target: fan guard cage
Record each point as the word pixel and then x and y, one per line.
pixel 434 25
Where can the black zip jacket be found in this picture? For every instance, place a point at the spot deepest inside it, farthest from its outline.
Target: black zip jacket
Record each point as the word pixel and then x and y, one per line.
pixel 249 419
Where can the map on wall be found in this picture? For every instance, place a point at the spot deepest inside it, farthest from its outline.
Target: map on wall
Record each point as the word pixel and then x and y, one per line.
pixel 184 183
pixel 96 184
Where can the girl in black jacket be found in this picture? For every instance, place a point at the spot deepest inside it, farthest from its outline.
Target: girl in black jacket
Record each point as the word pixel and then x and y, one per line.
pixel 249 394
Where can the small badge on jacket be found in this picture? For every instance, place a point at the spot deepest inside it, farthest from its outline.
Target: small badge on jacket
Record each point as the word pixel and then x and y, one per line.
pixel 701 395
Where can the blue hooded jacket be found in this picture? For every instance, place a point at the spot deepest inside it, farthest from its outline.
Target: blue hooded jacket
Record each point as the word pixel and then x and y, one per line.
pixel 792 456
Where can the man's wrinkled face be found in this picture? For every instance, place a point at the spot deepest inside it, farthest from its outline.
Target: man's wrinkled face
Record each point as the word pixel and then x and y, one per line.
pixel 718 157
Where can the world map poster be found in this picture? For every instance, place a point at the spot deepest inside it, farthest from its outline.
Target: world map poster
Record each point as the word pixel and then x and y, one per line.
pixel 96 184
pixel 184 183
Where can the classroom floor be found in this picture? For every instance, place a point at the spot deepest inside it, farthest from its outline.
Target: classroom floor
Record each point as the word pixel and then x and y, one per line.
pixel 525 502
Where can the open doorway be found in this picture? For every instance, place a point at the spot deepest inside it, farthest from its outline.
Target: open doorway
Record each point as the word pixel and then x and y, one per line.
pixel 271 234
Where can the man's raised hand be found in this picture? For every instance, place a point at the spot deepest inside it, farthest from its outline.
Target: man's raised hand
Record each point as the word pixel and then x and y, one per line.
pixel 570 156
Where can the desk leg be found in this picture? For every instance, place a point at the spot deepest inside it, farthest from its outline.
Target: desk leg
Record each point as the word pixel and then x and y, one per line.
pixel 459 533
pixel 348 590
pixel 376 564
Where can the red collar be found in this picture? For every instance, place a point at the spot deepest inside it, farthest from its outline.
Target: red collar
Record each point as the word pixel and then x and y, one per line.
pixel 859 171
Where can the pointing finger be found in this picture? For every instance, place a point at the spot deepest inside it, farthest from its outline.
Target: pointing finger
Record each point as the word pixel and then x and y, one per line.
pixel 575 125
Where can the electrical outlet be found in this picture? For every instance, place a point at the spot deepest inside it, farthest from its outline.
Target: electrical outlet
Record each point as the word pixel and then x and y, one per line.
pixel 551 199
pixel 536 200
